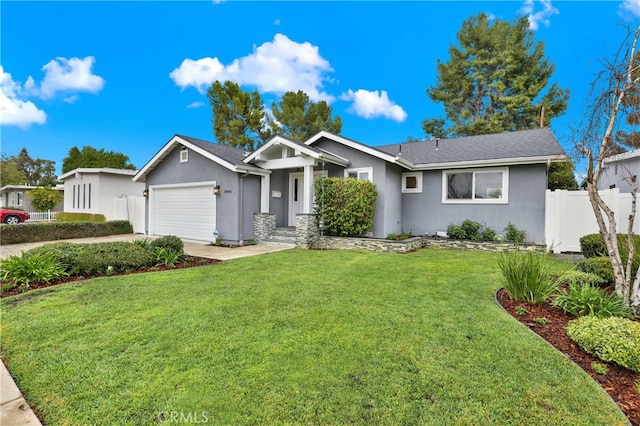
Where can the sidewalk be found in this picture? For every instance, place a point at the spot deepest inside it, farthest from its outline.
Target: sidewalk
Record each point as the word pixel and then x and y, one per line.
pixel 14 410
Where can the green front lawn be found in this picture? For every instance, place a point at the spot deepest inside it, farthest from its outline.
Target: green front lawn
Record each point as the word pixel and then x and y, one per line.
pixel 295 337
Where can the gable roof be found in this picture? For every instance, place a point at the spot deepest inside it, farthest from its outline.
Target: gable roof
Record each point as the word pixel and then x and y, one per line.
pixel 390 157
pixel 310 151
pixel 228 157
pixel 520 147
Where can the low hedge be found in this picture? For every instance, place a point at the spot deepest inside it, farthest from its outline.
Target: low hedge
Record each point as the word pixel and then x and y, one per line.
pixel 52 231
pixel 600 266
pixel 610 339
pixel 97 258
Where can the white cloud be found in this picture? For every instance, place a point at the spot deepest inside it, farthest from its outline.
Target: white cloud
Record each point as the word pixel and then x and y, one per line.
pixel 540 17
pixel 372 104
pixel 15 111
pixel 70 75
pixel 276 66
pixel 629 9
pixel 196 105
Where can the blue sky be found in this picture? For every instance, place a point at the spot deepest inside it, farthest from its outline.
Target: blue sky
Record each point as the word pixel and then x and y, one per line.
pixel 127 76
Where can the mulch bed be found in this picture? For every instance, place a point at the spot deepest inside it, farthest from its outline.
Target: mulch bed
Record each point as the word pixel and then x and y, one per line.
pixel 186 262
pixel 619 382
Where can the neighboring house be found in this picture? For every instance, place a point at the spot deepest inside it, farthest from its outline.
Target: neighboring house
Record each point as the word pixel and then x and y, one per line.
pixel 93 190
pixel 198 189
pixel 618 169
pixel 16 196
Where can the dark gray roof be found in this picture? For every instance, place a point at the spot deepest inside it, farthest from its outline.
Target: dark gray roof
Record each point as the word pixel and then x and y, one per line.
pixel 522 144
pixel 227 153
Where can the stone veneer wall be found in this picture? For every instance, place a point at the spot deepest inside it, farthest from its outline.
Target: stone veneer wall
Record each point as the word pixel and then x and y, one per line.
pixel 307 232
pixel 263 225
pixel 493 247
pixel 372 244
pixel 414 243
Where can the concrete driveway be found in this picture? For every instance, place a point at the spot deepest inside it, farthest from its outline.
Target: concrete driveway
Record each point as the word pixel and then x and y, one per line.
pixel 192 248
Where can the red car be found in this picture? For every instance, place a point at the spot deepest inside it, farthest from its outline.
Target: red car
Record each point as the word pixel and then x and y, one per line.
pixel 12 217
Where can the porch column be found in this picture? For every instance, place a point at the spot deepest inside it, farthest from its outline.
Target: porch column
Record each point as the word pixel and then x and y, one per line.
pixel 308 189
pixel 265 189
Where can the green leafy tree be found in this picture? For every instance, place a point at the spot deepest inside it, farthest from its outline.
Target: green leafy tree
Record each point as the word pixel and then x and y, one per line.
pixel 44 199
pixel 298 118
pixel 91 157
pixel 562 176
pixel 37 172
pixel 238 116
pixel 494 81
pixel 9 172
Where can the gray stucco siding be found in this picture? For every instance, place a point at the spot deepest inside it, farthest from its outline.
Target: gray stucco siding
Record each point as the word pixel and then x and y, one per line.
pixel 201 169
pixel 425 213
pixel 388 203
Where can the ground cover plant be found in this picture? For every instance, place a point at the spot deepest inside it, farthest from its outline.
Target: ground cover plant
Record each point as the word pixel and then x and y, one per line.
pixel 350 338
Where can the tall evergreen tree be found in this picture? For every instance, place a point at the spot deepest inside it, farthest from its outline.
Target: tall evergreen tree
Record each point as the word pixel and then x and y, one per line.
pixel 91 157
pixel 494 81
pixel 37 171
pixel 9 172
pixel 298 118
pixel 238 116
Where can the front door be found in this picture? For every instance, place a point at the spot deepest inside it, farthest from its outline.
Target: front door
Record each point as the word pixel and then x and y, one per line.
pixel 296 192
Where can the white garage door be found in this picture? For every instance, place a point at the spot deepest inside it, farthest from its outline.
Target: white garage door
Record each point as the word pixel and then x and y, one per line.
pixel 187 212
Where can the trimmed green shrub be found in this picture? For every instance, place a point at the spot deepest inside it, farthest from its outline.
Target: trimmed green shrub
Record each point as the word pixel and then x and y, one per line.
pixel 600 266
pixel 592 245
pixel 52 231
pixel 528 276
pixel 471 229
pixel 456 232
pixel 345 206
pixel 66 253
pixel 80 217
pixel 26 269
pixel 95 259
pixel 488 234
pixel 514 235
pixel 610 339
pixel 168 242
pixel 588 299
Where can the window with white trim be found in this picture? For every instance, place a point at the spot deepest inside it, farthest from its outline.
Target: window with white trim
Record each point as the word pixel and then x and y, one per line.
pixel 20 196
pixel 362 173
pixel 489 186
pixel 412 182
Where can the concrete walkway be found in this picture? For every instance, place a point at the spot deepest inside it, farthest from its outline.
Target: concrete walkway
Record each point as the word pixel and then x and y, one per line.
pixel 14 410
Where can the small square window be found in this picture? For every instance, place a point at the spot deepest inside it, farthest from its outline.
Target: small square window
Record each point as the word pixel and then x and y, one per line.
pixel 412 182
pixel 184 155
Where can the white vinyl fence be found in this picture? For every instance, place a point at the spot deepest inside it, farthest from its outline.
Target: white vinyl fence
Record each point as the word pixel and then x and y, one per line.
pixel 130 208
pixel 569 216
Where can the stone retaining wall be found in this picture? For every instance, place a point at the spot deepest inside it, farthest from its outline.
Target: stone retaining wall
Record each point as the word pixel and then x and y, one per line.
pixel 493 247
pixel 411 244
pixel 306 230
pixel 372 244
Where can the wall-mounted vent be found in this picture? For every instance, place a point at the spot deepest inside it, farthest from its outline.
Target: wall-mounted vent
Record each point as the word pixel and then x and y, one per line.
pixel 184 154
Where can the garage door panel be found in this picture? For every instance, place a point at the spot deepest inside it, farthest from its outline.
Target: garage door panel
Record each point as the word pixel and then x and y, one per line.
pixel 187 212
